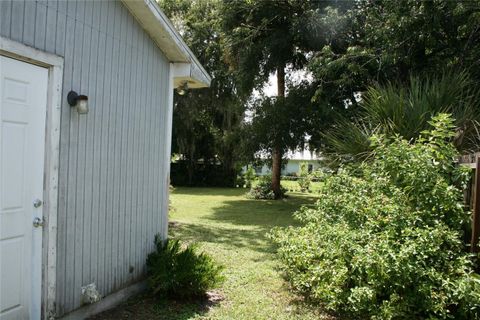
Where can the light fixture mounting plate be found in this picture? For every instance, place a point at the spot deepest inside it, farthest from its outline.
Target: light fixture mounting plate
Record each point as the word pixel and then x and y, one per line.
pixel 72 98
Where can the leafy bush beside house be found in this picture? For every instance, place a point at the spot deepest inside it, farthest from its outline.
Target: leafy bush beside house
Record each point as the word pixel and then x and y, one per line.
pixel 387 243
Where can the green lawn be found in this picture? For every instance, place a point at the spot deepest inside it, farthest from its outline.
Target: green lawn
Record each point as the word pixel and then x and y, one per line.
pixel 233 230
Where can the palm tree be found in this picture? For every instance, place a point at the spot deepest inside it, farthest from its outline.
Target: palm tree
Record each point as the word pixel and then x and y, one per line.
pixel 394 109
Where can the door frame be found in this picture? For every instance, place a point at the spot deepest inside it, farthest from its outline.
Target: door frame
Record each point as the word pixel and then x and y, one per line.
pixel 54 64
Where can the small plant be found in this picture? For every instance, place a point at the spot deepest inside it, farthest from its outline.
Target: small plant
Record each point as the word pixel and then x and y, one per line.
pixel 304 183
pixel 263 189
pixel 305 179
pixel 249 177
pixel 180 271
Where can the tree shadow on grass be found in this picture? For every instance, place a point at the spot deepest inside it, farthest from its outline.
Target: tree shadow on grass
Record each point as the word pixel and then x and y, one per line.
pixel 234 237
pixel 243 223
pixel 264 214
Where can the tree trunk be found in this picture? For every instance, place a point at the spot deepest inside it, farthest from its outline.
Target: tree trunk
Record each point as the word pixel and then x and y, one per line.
pixel 281 81
pixel 277 152
pixel 276 170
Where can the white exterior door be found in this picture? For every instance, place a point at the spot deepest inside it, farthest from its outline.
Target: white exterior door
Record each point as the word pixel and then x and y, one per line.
pixel 23 101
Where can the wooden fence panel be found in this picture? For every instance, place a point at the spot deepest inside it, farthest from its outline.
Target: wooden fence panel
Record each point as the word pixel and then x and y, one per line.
pixel 472 197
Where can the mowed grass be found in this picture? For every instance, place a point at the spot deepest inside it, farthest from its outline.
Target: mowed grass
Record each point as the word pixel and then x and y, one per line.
pixel 233 230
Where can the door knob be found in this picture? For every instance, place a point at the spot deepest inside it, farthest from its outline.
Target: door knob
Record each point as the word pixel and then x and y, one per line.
pixel 37 222
pixel 37 203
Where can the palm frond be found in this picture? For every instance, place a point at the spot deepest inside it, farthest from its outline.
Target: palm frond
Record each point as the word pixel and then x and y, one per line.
pixel 395 109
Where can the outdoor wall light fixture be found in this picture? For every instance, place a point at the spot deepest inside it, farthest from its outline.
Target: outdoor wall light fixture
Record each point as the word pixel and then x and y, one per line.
pixel 80 102
pixel 182 89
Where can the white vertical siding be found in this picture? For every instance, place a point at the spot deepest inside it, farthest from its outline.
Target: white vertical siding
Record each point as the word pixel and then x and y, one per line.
pixel 112 169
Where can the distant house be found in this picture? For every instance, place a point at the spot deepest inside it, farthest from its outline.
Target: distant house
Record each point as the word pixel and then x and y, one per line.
pixel 293 165
pixel 301 156
pixel 86 100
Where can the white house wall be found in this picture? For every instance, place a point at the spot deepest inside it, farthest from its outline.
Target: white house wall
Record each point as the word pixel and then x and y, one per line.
pixel 112 166
pixel 292 166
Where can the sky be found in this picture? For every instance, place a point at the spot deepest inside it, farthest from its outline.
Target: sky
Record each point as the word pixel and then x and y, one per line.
pixel 270 88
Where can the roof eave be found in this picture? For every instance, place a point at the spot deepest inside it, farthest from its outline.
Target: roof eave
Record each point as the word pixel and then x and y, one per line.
pixel 161 30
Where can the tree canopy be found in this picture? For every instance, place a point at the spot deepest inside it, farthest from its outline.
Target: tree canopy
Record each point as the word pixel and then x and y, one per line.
pixel 381 42
pixel 349 47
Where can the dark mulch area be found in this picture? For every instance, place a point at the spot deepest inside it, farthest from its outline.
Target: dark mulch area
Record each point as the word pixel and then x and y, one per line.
pixel 147 307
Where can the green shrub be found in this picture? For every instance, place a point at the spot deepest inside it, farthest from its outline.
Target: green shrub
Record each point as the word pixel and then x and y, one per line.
pixel 305 179
pixel 263 189
pixel 315 176
pixel 386 243
pixel 176 271
pixel 249 176
pixel 240 181
pixel 289 177
pixel 320 175
pixel 304 183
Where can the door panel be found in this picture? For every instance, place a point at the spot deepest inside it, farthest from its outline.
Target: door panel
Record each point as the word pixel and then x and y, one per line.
pixel 23 100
